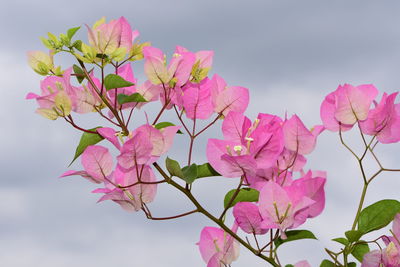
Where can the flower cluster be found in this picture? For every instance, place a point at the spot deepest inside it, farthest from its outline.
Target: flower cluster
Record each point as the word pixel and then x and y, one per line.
pixel 276 192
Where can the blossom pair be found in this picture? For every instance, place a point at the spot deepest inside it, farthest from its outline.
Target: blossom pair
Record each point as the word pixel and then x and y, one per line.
pixel 132 182
pixel 350 104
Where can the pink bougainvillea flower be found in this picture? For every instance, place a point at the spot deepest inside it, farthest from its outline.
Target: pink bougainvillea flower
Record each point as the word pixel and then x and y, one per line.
pixel 262 176
pixel 134 194
pixel 56 96
pixel 312 187
pixel 395 231
pixel 181 65
pixel 248 218
pixel 106 38
pixel 136 151
pixel 353 102
pixel 40 62
pixel 298 138
pixel 83 174
pixel 226 99
pixel 149 92
pixel 302 264
pixel 155 66
pixel 201 64
pixel 197 100
pixel 111 135
pixel 97 162
pixel 289 159
pixel 229 158
pixel 218 247
pixel 161 139
pixel 388 257
pixel 347 105
pixel 235 127
pixel 248 146
pixel 384 120
pixel 158 72
pixel 283 207
pixel 146 145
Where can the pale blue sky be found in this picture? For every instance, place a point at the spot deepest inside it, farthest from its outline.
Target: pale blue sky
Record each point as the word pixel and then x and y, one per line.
pixel 290 54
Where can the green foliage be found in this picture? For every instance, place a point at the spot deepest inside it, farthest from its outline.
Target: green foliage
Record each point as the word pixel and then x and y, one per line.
pixel 294 235
pixel 341 240
pixel 353 235
pixel 173 167
pixel 80 74
pixel 378 215
pixel 135 97
pixel 87 139
pixel 244 195
pixel 360 250
pixel 164 124
pixel 327 263
pixel 113 81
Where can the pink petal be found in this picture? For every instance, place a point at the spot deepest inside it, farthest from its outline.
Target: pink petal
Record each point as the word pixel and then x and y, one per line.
pixel 197 100
pixel 248 218
pixel 228 166
pixel 97 162
pixel 109 134
pixel 327 113
pixel 83 174
pixel 235 126
pixel 353 103
pixel 297 137
pixel 135 151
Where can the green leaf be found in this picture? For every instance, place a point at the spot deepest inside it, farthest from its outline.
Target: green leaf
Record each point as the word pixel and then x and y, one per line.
pixel 206 170
pixel 190 173
pixel 341 240
pixel 352 264
pixel 135 97
pixel 87 139
pixel 326 263
pixel 78 45
pixel 378 215
pixel 80 75
pixel 173 168
pixel 289 265
pixel 71 32
pixel 113 81
pixel 354 235
pixel 294 235
pixel 244 195
pixel 359 251
pixel 162 125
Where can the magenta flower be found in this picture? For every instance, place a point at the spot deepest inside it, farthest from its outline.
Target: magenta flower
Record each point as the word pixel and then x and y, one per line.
pixel 302 264
pixel 97 163
pixel 390 256
pixel 226 99
pixel 248 217
pixel 283 207
pixel 347 105
pixel 217 247
pixel 158 72
pixel 384 120
pixel 106 38
pixel 298 138
pixel 197 100
pixel 55 99
pixel 247 146
pixel 135 194
pixel 146 145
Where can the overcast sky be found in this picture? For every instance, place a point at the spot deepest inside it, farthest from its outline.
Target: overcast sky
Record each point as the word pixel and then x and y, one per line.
pixel 290 54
